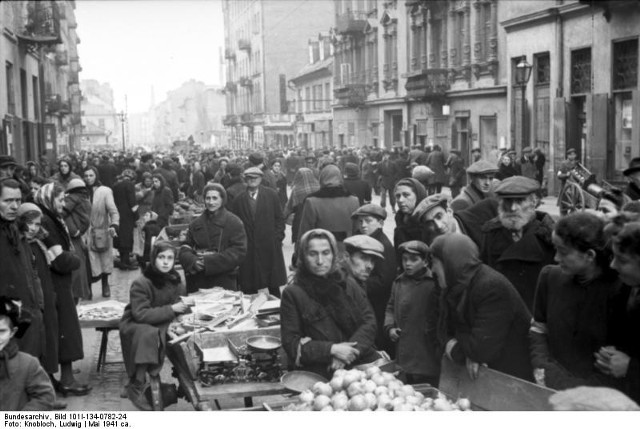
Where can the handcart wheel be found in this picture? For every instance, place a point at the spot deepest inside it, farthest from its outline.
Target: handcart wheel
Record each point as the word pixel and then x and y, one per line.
pixel 572 198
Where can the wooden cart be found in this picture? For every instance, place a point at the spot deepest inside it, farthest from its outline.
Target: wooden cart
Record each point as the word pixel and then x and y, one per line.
pixel 581 191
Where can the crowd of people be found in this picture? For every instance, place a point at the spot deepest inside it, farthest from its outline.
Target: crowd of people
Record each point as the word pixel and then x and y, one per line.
pixel 478 275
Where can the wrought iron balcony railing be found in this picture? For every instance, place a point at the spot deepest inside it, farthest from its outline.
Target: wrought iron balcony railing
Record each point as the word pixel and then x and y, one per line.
pixel 430 84
pixel 351 22
pixel 351 95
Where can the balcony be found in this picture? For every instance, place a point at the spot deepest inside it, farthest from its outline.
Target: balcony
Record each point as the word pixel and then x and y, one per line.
pixel 246 82
pixel 42 24
pixel 244 45
pixel 229 120
pixel 430 84
pixel 230 87
pixel 351 95
pixel 54 105
pixel 246 119
pixel 351 22
pixel 229 54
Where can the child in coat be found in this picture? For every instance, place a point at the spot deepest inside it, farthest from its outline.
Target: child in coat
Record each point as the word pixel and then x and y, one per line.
pixel 406 315
pixel 24 385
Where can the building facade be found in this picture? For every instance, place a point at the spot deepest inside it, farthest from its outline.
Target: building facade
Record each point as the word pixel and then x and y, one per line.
pixel 583 93
pixel 40 97
pixel 101 128
pixel 265 46
pixel 313 88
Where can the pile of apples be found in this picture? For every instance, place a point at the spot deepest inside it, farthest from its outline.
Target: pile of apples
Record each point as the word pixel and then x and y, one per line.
pixel 373 389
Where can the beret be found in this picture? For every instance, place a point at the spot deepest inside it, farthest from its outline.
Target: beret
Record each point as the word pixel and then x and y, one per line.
pixel 28 207
pixel 366 244
pixel 429 203
pixel 416 247
pixel 482 167
pixel 370 210
pixel 253 171
pixel 517 187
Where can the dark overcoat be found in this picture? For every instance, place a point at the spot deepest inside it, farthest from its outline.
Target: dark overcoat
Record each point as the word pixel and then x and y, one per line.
pixel 264 265
pixel 124 196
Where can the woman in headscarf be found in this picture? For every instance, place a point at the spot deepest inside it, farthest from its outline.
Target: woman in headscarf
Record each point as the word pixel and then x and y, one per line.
pixel 103 227
pixel 64 174
pixel 481 318
pixel 408 193
pixel 330 207
pixel 77 211
pixel 162 203
pixel 327 322
pixel 50 200
pixel 304 184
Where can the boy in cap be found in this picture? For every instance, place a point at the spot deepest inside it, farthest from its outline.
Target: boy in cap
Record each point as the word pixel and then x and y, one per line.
pixel 369 220
pixel 412 296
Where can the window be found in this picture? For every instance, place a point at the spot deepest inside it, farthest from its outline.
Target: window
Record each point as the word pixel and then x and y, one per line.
pixel 483 22
pixel 307 94
pixel 327 96
pixel 436 42
pixel 458 28
pixel 581 71
pixel 11 95
pixel 542 74
pixel 542 101
pixel 36 98
pixel 625 64
pixel 421 127
pixel 24 96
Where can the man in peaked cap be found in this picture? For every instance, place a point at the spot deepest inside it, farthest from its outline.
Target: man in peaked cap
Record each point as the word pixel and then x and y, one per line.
pixel 480 173
pixel 362 254
pixel 517 242
pixel 436 217
pixel 8 166
pixel 633 174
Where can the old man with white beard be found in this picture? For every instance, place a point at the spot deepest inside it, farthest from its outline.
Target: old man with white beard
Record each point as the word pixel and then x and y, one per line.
pixel 517 242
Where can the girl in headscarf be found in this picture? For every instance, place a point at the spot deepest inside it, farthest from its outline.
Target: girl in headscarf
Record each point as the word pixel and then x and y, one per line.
pixel 327 322
pixel 50 200
pixel 481 318
pixel 408 194
pixel 304 184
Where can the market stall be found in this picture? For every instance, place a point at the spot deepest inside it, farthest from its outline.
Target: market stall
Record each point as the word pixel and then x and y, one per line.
pixel 103 317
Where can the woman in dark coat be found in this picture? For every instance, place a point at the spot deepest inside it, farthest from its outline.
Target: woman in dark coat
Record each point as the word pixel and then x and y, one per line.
pixel 436 162
pixel 216 245
pixel 481 317
pixel 281 181
pixel 327 322
pixel 50 199
pixel 162 203
pixel 154 301
pixel 124 196
pixel 570 307
pixel 409 192
pixel 304 184
pixel 77 212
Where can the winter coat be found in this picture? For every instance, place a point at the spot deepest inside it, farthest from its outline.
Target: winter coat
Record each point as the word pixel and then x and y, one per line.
pixel 264 265
pixel 124 197
pixel 145 321
pixel 281 187
pixel 330 209
pixel 196 184
pixel 236 187
pixel 378 287
pixel 77 211
pixel 19 279
pixel 632 191
pixel 144 199
pixel 569 326
pixel 170 179
pixel 456 171
pixel 468 197
pixel 162 205
pixel 506 171
pixel 359 188
pixel 528 168
pixel 436 162
pixel 407 227
pixel 472 219
pixel 407 310
pixel 104 213
pixel 387 171
pixel 24 385
pixel 303 317
pixel 222 235
pixel 70 336
pixel 520 262
pixel 108 172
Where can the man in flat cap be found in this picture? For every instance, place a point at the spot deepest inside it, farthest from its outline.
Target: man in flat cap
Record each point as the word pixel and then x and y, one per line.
pixel 436 217
pixel 256 159
pixel 261 213
pixel 362 252
pixel 480 173
pixel 8 166
pixel 370 221
pixel 517 243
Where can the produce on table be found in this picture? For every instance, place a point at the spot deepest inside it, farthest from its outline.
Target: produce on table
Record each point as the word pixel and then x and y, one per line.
pixel 373 389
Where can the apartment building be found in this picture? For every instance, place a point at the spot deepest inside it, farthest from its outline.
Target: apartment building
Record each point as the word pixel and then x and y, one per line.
pixel 101 127
pixel 265 46
pixel 39 74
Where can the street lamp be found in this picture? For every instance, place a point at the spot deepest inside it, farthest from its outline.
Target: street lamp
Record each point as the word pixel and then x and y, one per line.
pixel 123 117
pixel 523 73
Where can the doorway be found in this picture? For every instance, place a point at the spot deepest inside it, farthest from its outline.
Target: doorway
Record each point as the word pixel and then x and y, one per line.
pixel 488 136
pixel 393 128
pixel 577 127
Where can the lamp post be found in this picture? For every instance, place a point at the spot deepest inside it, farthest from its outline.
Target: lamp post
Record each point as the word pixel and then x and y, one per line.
pixel 123 117
pixel 523 73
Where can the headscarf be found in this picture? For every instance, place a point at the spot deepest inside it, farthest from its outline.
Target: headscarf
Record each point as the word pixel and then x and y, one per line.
pixel 331 177
pixel 159 279
pixel 216 187
pixel 44 198
pixel 461 261
pixel 96 183
pixel 304 183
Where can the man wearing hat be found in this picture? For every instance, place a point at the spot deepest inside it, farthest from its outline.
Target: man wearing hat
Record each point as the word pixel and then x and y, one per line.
pixel 261 213
pixel 8 166
pixel 355 185
pixel 370 220
pixel 480 173
pixel 436 217
pixel 455 164
pixel 517 243
pixel 633 174
pixel 362 253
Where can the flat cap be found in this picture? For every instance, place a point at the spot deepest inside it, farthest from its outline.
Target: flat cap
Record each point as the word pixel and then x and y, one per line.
pixel 365 244
pixel 7 161
pixel 429 203
pixel 572 150
pixel 28 207
pixel 516 187
pixel 422 173
pixel 256 158
pixel 370 210
pixel 482 167
pixel 253 171
pixel 416 247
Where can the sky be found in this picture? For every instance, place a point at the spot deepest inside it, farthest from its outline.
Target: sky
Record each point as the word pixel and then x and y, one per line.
pixel 138 44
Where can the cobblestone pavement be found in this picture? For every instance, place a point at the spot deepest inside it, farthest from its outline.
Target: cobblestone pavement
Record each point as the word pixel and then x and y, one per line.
pixel 108 384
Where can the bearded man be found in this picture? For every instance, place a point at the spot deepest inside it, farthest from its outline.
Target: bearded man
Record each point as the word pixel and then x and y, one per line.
pixel 517 242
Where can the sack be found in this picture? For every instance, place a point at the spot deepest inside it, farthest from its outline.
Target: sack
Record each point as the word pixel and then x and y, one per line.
pixel 99 239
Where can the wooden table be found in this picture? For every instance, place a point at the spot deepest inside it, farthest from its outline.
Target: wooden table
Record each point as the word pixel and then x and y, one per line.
pixel 104 327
